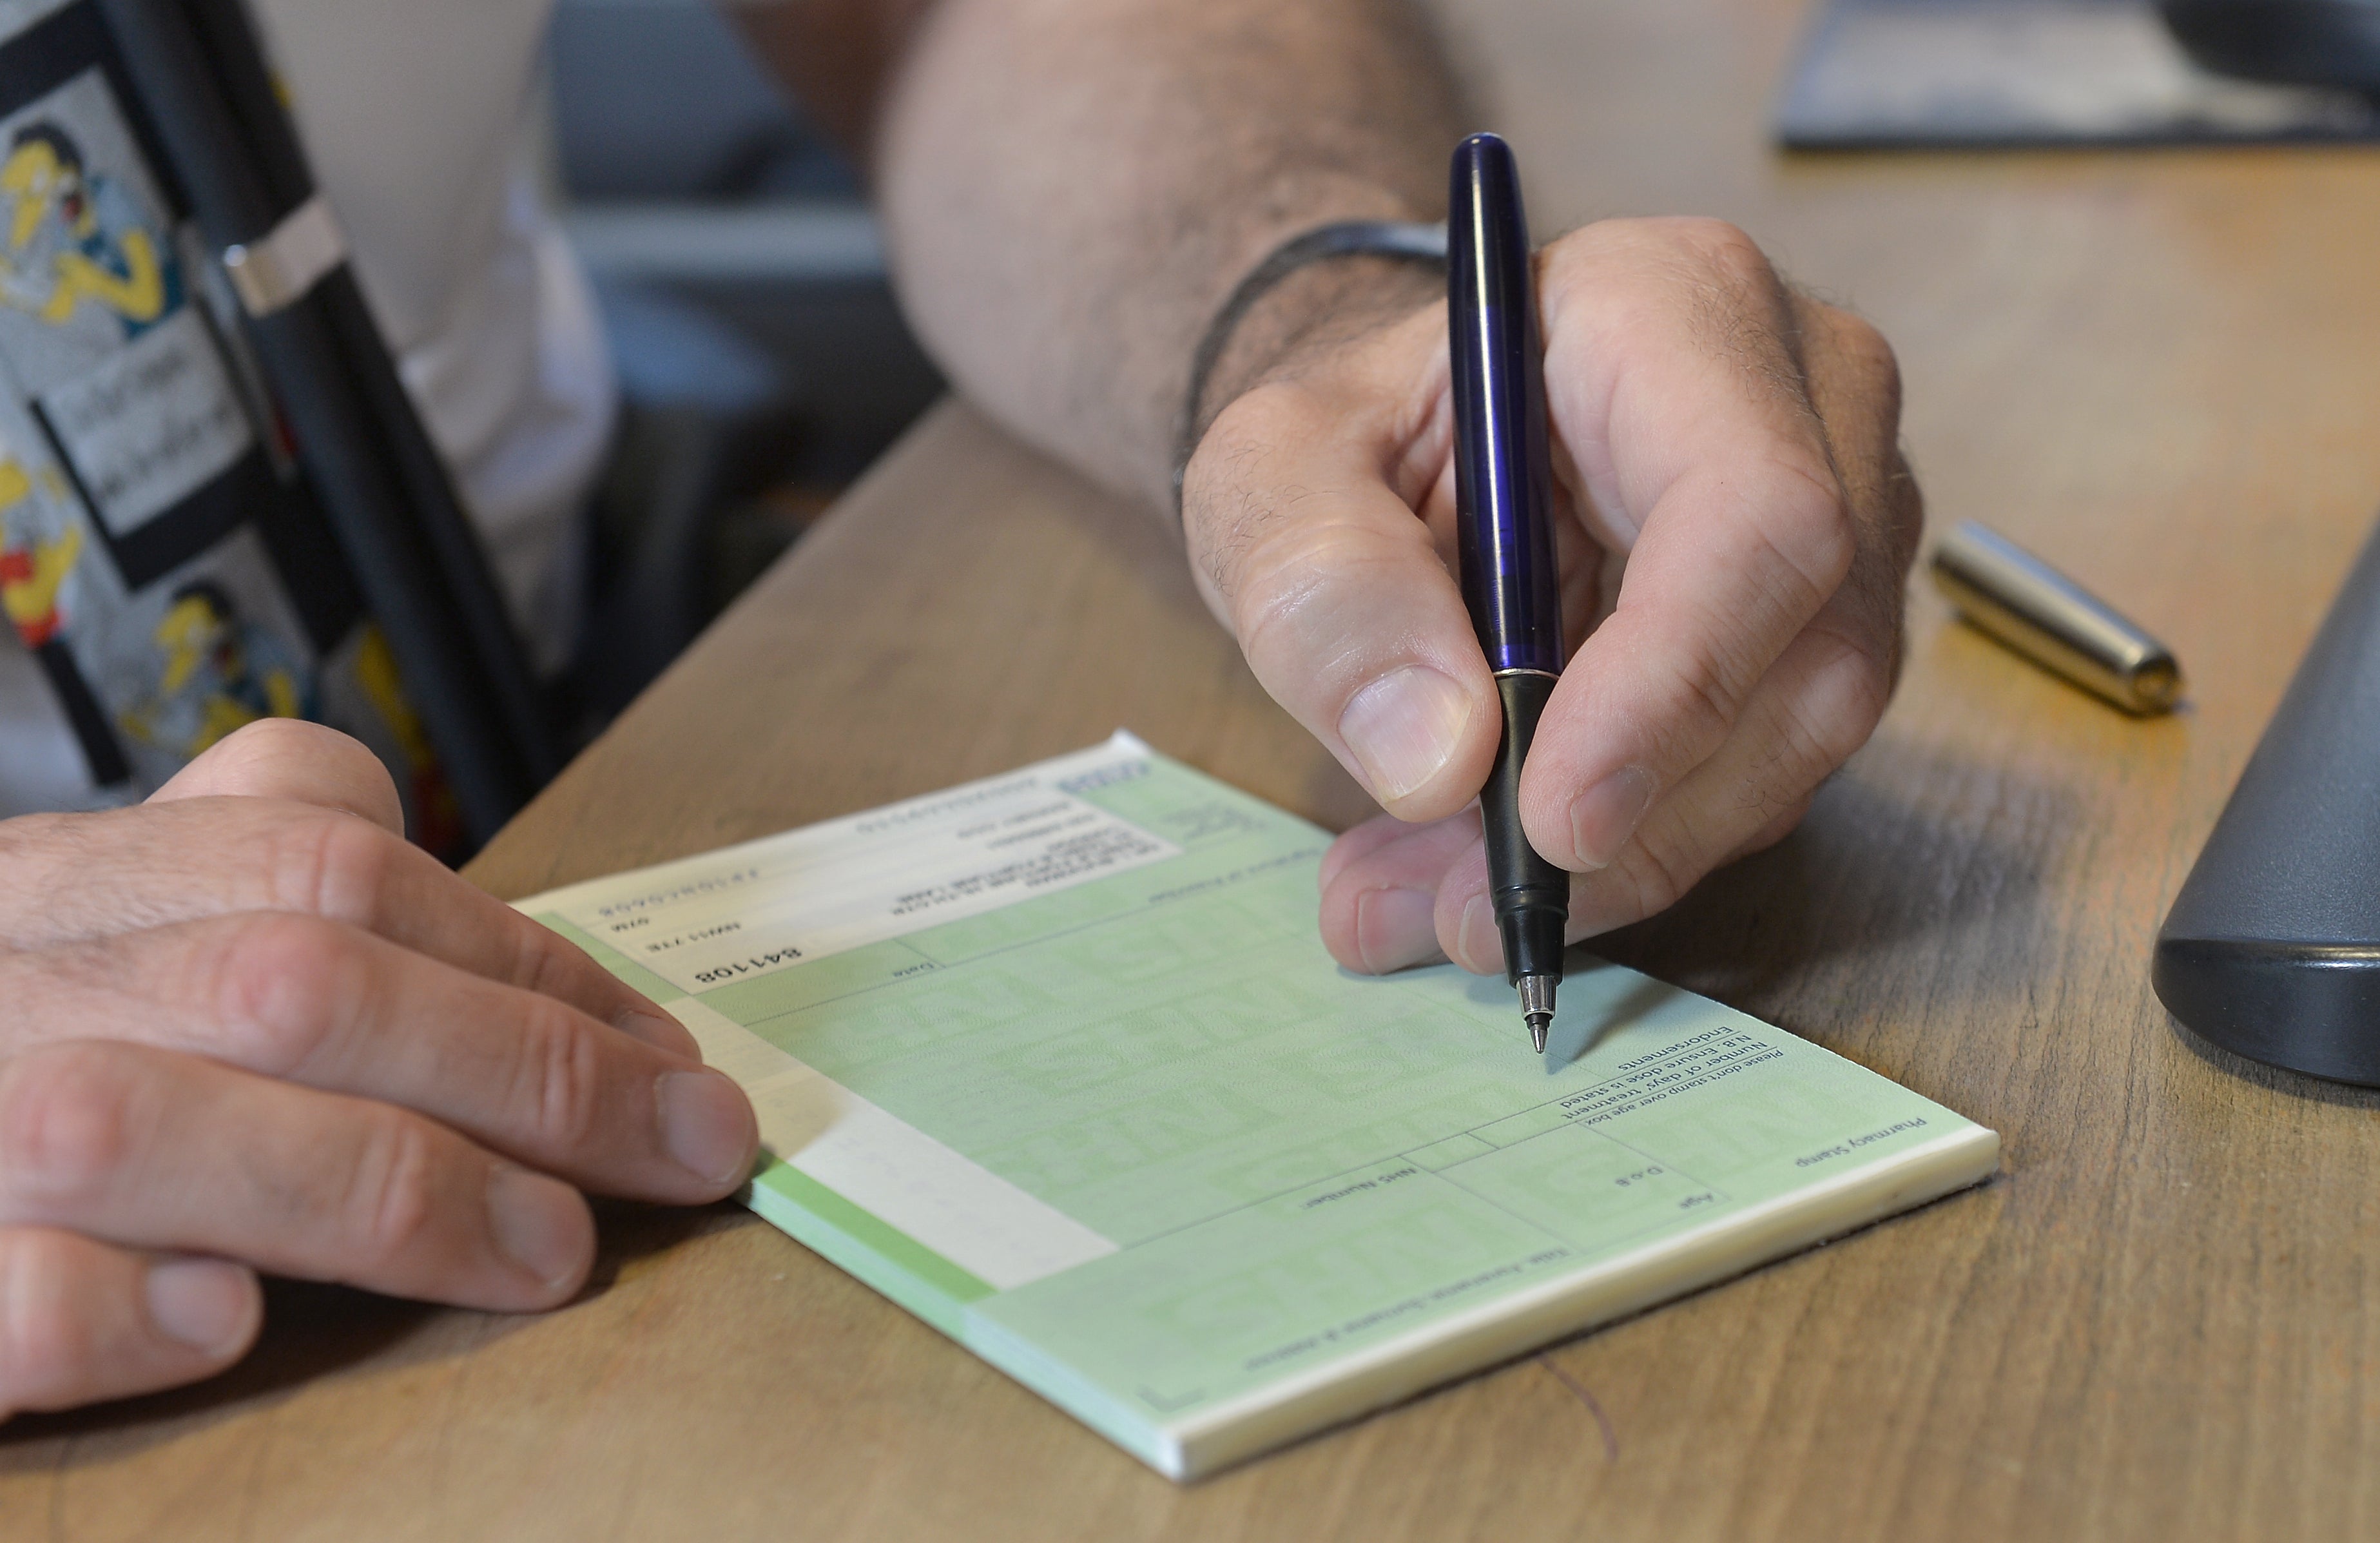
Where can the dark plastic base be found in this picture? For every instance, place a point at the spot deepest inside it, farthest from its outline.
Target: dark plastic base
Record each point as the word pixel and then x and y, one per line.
pixel 2305 1008
pixel 2272 949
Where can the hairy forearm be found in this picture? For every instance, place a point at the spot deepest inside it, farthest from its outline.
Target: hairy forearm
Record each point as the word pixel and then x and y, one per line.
pixel 1072 186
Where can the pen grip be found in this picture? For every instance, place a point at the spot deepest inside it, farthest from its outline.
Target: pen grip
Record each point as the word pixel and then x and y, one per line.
pixel 1531 895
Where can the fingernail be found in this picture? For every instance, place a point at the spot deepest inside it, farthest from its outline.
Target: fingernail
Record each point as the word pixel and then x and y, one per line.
pixel 1404 726
pixel 1482 945
pixel 205 1304
pixel 1605 816
pixel 707 1125
pixel 538 1223
pixel 1394 929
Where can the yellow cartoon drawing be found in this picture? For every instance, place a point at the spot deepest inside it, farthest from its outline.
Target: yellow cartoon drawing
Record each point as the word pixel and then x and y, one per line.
pixel 74 236
pixel 32 570
pixel 376 672
pixel 437 818
pixel 221 674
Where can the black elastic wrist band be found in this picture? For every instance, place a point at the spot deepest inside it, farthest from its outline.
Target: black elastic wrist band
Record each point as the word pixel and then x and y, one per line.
pixel 1400 240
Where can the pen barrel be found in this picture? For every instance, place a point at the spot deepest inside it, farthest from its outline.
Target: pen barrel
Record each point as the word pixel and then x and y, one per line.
pixel 1530 895
pixel 1506 535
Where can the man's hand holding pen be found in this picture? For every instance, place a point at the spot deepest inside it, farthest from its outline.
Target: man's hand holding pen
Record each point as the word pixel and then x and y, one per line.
pixel 1735 525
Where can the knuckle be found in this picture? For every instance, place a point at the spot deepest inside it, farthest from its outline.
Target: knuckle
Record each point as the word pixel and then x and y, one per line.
pixel 543 962
pixel 282 986
pixel 1806 736
pixel 1850 690
pixel 1869 354
pixel 46 1343
pixel 1311 548
pixel 560 1077
pixel 1790 523
pixel 1289 563
pixel 1702 702
pixel 1647 267
pixel 1809 529
pixel 329 864
pixel 1711 258
pixel 391 1206
pixel 1727 250
pixel 66 1126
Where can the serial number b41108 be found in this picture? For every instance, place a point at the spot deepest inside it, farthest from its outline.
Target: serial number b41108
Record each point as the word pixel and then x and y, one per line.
pixel 753 966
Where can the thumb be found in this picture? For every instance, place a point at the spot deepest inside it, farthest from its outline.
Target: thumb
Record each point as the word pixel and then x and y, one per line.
pixel 1339 598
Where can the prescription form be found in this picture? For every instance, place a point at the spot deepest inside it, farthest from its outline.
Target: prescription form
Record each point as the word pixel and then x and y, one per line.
pixel 1057 1061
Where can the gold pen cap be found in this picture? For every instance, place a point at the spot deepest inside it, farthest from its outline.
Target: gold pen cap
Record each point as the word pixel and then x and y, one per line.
pixel 2043 614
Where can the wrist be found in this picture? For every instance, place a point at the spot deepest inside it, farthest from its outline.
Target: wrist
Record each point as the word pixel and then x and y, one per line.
pixel 1311 313
pixel 1316 291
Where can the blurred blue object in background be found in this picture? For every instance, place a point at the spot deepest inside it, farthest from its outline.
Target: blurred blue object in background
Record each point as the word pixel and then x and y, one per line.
pixel 668 349
pixel 763 362
pixel 659 98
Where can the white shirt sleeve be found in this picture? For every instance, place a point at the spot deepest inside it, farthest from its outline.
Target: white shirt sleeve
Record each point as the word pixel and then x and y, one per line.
pixel 415 119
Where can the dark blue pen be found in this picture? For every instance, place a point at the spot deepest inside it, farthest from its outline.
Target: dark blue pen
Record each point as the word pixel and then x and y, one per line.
pixel 1502 480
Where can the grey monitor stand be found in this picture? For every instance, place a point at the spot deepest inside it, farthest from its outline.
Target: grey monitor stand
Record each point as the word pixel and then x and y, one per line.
pixel 2272 947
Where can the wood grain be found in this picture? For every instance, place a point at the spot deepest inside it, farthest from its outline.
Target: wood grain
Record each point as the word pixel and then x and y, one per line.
pixel 2157 369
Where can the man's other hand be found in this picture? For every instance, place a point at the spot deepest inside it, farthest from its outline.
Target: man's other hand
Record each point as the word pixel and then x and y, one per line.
pixel 1735 526
pixel 245 1026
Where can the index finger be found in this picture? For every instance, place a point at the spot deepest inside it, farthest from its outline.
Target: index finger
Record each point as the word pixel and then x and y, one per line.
pixel 76 878
pixel 303 1001
pixel 1674 382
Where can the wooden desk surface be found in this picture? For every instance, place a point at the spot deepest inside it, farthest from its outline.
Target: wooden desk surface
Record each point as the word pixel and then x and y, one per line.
pixel 2162 1322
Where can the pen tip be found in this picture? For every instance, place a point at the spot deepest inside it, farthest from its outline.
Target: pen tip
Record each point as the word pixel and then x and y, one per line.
pixel 1537 1006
